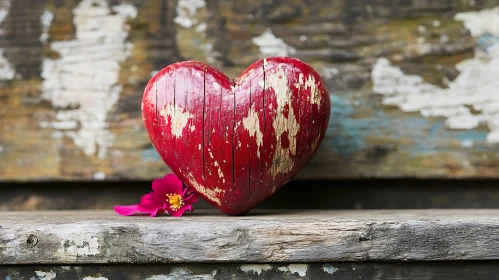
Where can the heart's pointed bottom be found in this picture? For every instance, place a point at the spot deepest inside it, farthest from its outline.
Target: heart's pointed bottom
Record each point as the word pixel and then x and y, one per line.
pixel 234 212
pixel 239 213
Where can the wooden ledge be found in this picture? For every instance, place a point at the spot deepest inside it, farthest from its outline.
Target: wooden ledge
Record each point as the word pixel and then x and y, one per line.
pixel 96 237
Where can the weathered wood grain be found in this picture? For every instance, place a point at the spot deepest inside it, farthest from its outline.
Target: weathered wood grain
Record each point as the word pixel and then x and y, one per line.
pixel 312 271
pixel 262 236
pixel 412 83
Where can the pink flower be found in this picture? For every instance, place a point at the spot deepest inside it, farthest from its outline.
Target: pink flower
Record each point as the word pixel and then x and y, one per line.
pixel 168 194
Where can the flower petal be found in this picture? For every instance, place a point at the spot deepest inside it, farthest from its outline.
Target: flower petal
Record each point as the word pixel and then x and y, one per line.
pixel 191 199
pixel 149 205
pixel 180 211
pixel 174 183
pixel 155 212
pixel 159 190
pixel 126 210
pixel 168 184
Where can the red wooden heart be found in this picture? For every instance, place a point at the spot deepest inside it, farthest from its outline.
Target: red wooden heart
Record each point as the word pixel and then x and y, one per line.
pixel 236 142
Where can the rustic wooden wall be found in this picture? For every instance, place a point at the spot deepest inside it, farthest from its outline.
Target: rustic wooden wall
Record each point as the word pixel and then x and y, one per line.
pixel 413 83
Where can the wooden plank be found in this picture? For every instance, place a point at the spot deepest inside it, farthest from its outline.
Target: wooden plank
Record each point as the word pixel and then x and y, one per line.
pixel 73 72
pixel 336 271
pixel 94 237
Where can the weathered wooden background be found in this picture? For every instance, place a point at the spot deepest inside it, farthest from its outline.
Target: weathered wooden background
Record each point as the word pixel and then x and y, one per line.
pixel 414 84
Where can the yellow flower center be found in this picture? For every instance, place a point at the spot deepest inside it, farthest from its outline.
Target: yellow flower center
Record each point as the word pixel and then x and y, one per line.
pixel 176 201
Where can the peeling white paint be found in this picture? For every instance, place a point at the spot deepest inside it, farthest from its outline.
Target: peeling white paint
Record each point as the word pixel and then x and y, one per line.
pixel 186 12
pixel 4 9
pixel 220 173
pixel 94 278
pixel 80 245
pixel 196 73
pixel 57 135
pixel 283 160
pixel 329 268
pixel 252 124
pixel 270 45
pixel 45 19
pixel 255 268
pixel 480 22
pixel 201 27
pixel 7 72
pixel 300 269
pixel 475 86
pixel 210 194
pixel 85 76
pixel 315 94
pixel 126 11
pixel 99 175
pixel 162 277
pixel 244 79
pixel 45 275
pixel 188 17
pixel 178 118
pixel 330 72
pixel 182 273
pixel 467 143
pixel 64 125
pixel 300 82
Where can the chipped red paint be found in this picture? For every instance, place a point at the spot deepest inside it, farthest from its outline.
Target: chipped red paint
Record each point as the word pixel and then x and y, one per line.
pixel 237 142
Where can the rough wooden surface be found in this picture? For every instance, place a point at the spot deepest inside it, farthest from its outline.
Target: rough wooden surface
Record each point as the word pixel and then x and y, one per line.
pixel 273 236
pixel 312 271
pixel 72 74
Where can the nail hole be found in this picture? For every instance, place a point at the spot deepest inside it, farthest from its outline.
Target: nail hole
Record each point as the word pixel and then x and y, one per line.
pixel 32 241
